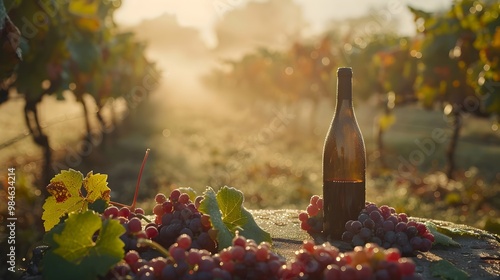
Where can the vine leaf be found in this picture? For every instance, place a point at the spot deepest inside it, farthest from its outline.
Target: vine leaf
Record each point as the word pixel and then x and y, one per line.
pixel 74 253
pixel 209 206
pixel 440 238
pixel 228 215
pixel 446 270
pixel 67 194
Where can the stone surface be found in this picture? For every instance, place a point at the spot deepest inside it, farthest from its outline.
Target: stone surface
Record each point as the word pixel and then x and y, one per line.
pixel 478 254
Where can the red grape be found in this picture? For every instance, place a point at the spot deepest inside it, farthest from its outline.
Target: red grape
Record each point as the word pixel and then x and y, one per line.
pixel 134 225
pixel 160 198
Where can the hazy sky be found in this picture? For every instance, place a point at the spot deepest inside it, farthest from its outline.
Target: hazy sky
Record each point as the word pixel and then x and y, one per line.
pixel 202 14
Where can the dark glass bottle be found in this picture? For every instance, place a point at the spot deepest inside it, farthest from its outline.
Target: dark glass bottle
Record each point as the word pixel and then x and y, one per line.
pixel 344 162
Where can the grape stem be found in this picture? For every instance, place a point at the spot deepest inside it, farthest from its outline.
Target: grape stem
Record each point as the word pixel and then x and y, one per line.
pixel 136 194
pixel 143 242
pixel 144 218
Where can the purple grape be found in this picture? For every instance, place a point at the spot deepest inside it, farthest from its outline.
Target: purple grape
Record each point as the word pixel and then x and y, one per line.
pixel 426 245
pixel 401 226
pixel 356 226
pixel 348 225
pixel 393 219
pixel 371 208
pixel 390 236
pixel 369 223
pixel 357 240
pixel 347 236
pixel 411 231
pixel 363 217
pixel 388 226
pixel 365 233
pixel 416 242
pixel 376 216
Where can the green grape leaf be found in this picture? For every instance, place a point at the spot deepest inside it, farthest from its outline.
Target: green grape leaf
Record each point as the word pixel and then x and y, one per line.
pixel 440 238
pixel 450 231
pixel 66 194
pixel 74 254
pixel 230 202
pixel 236 217
pixel 210 207
pixel 446 270
pixel 228 215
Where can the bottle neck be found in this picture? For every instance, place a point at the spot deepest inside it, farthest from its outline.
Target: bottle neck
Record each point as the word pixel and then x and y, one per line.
pixel 344 91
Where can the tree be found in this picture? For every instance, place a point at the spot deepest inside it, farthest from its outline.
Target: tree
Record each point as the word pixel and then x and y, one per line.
pixel 455 46
pixel 69 45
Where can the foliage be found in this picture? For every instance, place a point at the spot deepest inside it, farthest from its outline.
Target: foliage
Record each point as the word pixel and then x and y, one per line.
pixel 75 46
pixel 10 54
pixel 68 196
pixel 304 71
pixel 70 46
pixel 459 57
pixel 466 200
pixel 446 270
pixel 482 18
pixel 440 238
pixel 228 216
pixel 75 252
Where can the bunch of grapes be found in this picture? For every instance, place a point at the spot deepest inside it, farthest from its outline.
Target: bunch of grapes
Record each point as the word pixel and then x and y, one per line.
pixel 133 225
pixel 177 215
pixel 174 216
pixel 383 226
pixel 246 259
pixel 243 260
pixel 312 219
pixel 368 262
pixel 134 267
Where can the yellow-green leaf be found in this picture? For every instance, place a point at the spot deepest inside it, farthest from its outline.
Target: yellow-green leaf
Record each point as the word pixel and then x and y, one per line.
pixel 66 194
pixel 96 187
pixel 53 210
pixel 386 121
pixel 84 8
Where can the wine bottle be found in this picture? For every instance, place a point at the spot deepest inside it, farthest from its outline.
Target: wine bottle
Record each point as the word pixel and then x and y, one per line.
pixel 344 162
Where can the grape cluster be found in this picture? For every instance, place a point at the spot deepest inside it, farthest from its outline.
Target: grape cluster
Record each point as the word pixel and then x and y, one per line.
pixel 134 267
pixel 133 225
pixel 247 260
pixel 174 216
pixel 312 219
pixel 243 260
pixel 177 215
pixel 368 262
pixel 383 226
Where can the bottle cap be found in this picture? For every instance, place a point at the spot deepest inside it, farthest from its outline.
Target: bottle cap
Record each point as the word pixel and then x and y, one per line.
pixel 344 72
